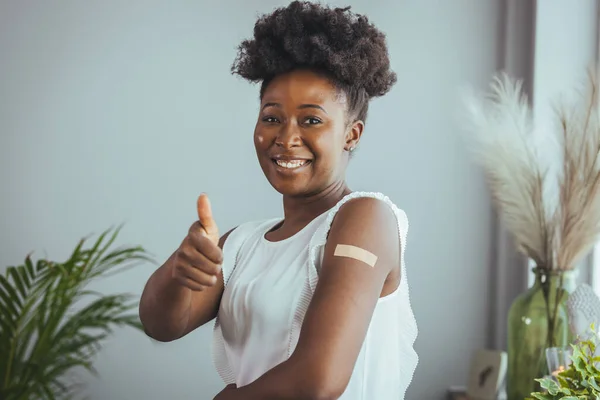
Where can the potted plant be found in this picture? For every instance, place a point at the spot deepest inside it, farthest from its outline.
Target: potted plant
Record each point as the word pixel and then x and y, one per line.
pixel 580 381
pixel 545 184
pixel 51 323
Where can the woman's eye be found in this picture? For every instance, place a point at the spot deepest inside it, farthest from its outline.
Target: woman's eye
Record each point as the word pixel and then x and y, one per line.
pixel 270 120
pixel 312 121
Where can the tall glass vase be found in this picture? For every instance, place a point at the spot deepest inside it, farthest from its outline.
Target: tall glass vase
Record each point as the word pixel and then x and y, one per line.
pixel 537 320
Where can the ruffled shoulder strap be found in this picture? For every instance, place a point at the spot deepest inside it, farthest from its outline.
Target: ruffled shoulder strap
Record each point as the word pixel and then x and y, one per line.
pixel 319 238
pixel 231 251
pixel 235 241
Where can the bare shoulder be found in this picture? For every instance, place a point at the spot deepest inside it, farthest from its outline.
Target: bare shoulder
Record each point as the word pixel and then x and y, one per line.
pixel 370 224
pixel 371 209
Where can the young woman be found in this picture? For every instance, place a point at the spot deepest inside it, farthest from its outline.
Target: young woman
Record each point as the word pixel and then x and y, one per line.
pixel 314 305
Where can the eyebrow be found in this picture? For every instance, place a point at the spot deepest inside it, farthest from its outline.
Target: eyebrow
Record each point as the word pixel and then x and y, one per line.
pixel 299 107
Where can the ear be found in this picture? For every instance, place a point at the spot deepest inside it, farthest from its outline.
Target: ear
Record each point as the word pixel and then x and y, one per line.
pixel 353 134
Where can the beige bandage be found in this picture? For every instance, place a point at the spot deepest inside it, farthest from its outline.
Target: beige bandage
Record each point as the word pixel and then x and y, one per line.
pixel 346 250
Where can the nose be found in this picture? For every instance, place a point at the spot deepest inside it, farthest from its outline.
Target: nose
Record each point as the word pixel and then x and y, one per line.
pixel 289 136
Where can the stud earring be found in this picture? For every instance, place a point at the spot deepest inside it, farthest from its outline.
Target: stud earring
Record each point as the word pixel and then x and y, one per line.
pixel 351 149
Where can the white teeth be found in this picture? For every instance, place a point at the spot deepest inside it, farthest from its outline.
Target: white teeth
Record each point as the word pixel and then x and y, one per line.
pixel 291 164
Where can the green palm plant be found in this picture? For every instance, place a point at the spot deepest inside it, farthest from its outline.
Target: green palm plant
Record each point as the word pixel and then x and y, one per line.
pixel 51 324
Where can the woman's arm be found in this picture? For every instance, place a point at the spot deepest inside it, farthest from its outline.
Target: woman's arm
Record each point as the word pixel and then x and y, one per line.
pixel 168 310
pixel 338 317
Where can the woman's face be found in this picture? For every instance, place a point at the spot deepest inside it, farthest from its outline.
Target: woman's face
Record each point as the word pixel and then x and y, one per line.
pixel 302 134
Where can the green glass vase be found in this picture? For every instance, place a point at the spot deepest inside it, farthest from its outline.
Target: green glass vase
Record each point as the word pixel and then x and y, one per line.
pixel 537 319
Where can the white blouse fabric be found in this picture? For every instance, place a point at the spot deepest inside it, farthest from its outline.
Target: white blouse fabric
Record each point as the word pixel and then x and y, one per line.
pixel 268 288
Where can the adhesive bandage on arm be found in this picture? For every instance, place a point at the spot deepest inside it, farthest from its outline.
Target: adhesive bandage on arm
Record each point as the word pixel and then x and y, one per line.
pixel 346 250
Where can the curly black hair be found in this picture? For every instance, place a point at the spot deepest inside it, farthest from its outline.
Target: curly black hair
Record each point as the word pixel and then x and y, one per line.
pixel 343 46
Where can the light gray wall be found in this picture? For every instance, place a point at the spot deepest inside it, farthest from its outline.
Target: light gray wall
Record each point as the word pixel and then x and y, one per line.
pixel 116 111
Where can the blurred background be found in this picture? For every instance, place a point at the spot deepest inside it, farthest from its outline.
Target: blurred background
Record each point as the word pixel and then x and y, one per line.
pixel 125 111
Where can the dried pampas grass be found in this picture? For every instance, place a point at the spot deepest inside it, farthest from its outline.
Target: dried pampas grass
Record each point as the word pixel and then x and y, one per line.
pixel 544 182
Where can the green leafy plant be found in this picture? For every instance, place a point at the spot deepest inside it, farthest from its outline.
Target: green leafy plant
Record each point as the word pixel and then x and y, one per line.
pixel 51 323
pixel 581 380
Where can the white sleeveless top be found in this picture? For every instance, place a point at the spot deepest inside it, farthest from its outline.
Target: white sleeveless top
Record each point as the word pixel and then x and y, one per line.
pixel 268 288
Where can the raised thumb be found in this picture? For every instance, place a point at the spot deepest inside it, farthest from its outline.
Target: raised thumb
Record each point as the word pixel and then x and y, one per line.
pixel 206 218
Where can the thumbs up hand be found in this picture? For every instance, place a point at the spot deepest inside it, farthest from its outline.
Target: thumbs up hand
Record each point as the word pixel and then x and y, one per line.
pixel 198 259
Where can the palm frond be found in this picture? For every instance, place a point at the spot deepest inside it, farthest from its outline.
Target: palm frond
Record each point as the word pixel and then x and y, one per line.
pixel 45 333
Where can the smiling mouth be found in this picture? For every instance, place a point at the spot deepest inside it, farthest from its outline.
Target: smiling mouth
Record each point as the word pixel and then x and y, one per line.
pixel 293 164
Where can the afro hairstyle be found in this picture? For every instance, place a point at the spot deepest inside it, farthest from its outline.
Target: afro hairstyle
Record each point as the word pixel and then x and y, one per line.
pixel 334 42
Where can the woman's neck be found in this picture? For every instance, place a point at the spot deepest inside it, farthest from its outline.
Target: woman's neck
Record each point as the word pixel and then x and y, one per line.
pixel 302 210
